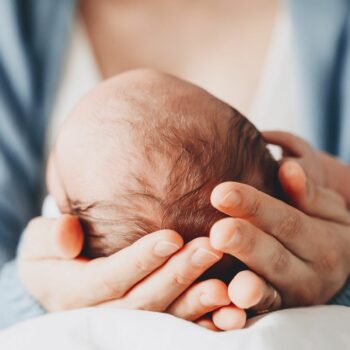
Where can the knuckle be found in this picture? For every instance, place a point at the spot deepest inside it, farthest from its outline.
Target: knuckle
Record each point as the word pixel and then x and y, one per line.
pixel 331 252
pixel 254 206
pixel 180 279
pixel 187 308
pixel 194 311
pixel 329 261
pixel 279 261
pixel 288 227
pixel 247 244
pixel 142 266
pixel 115 290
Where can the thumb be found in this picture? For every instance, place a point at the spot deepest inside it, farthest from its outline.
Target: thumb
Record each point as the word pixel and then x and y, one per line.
pixel 293 180
pixel 310 198
pixel 53 238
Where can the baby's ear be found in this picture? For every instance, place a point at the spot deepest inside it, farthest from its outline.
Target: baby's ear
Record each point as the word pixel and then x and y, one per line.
pixel 69 236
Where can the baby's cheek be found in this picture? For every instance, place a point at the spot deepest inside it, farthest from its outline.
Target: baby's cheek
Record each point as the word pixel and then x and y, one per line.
pixel 224 270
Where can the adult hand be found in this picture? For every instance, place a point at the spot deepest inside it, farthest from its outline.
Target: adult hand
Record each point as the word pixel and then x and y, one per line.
pixel 296 258
pixel 297 149
pixel 156 273
pixel 320 167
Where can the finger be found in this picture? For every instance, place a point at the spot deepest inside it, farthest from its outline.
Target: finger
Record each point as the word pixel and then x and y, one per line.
pixel 289 225
pixel 199 300
pixel 229 318
pixel 108 278
pixel 206 322
pixel 300 161
pixel 247 290
pixel 124 269
pixel 310 198
pixel 53 238
pixel 258 250
pixel 294 145
pixel 173 278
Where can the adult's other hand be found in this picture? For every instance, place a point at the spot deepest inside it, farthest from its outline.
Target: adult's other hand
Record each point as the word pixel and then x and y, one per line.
pixel 296 257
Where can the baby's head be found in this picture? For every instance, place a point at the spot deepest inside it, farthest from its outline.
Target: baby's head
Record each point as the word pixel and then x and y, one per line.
pixel 143 151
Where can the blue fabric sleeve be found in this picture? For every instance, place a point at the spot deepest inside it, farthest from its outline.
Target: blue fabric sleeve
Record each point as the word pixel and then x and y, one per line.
pixel 33 34
pixel 343 297
pixel 20 159
pixel 15 303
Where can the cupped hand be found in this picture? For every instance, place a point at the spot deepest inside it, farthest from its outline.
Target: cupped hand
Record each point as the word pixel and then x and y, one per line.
pixel 156 273
pixel 320 167
pixel 296 257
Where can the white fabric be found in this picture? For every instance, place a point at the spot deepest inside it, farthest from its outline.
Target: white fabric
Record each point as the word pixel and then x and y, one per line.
pixel 80 74
pixel 274 106
pixel 276 101
pixel 50 208
pixel 325 327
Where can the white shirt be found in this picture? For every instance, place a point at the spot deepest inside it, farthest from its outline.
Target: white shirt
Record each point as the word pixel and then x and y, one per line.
pixel 274 106
pixel 276 101
pixel 80 74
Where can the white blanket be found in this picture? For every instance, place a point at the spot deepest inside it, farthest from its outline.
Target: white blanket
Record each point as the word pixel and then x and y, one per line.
pixel 326 327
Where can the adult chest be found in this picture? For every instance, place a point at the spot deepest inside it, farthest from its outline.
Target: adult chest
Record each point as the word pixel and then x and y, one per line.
pixel 221 46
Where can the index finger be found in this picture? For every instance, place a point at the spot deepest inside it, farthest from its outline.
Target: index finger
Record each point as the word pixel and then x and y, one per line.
pixel 309 197
pixel 174 277
pixel 113 276
pixel 52 238
pixel 271 215
pixel 74 283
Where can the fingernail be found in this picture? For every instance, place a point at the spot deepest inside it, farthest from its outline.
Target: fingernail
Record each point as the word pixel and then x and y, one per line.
pixel 203 257
pixel 206 300
pixel 165 248
pixel 231 199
